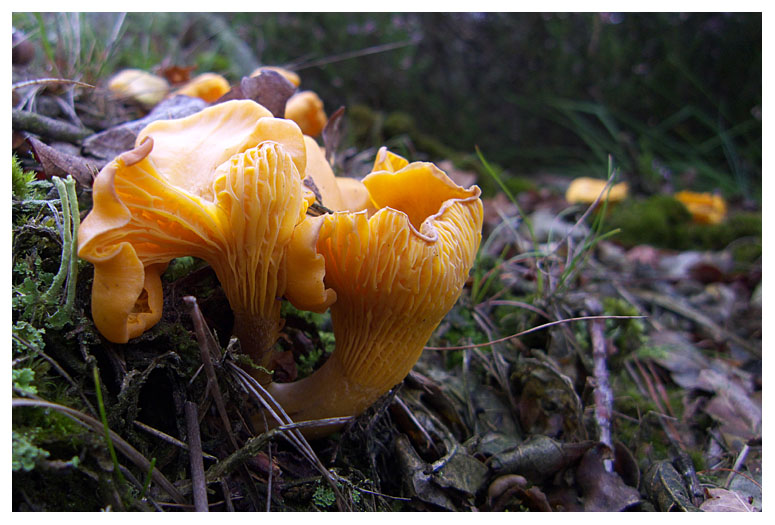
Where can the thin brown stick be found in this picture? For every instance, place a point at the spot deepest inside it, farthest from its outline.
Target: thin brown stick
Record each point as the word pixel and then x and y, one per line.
pixel 207 347
pixel 199 487
pixel 169 439
pixel 534 329
pixel 602 391
pixel 38 124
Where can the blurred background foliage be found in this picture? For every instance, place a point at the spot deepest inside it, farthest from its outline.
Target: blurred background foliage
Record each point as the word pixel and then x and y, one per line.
pixel 674 98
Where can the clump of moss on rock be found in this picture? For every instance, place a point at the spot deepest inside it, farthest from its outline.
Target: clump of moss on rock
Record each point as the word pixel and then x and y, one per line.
pixel 664 222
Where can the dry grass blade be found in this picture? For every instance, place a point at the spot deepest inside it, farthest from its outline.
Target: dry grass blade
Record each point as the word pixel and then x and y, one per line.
pixel 681 308
pixel 48 82
pixel 59 369
pixel 122 446
pixel 534 329
pixel 291 432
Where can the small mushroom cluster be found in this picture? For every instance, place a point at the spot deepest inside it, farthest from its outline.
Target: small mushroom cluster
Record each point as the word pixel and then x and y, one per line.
pixel 227 185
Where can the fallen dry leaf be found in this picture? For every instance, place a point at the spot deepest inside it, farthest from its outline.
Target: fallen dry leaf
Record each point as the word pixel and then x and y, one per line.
pixel 722 500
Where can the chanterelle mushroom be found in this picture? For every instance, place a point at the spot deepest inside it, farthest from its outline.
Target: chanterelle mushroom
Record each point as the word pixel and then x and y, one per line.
pixel 393 276
pixel 223 185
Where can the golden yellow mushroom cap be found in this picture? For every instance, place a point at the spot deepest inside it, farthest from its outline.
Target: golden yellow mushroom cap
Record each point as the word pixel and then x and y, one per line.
pixel 143 87
pixel 586 190
pixel 306 109
pixel 223 185
pixel 207 86
pixel 705 208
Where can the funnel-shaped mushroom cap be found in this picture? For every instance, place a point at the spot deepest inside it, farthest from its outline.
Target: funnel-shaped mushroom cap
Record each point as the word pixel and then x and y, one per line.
pixel 306 109
pixel 223 185
pixel 396 274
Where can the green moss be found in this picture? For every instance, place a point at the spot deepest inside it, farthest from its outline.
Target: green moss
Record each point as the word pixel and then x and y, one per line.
pixel 659 221
pixel 664 222
pixel 627 334
pixel 25 454
pixel 20 180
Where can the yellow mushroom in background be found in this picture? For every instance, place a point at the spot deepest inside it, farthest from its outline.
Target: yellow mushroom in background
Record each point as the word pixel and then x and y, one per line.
pixel 392 277
pixel 223 185
pixel 586 190
pixel 145 88
pixel 290 76
pixel 306 109
pixel 207 86
pixel 705 208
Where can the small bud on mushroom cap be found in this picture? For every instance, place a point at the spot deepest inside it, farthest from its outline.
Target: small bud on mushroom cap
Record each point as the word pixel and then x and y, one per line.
pixel 395 276
pixel 223 185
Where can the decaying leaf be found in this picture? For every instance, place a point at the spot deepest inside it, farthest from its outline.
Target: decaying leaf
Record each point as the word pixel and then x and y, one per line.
pixel 548 403
pixel 722 500
pixel 59 164
pixel 733 406
pixel 270 89
pixel 603 491
pixel 665 487
pixel 332 135
pixel 514 490
pixel 538 458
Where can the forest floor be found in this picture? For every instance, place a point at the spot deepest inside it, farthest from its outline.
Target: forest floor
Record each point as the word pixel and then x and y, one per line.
pixel 584 370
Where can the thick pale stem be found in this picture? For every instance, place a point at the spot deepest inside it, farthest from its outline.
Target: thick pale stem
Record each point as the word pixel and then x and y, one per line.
pixel 329 392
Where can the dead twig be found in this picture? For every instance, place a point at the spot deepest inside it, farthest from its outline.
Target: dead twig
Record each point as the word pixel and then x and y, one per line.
pixel 276 412
pixel 169 439
pixel 208 348
pixel 602 390
pixel 39 125
pixel 199 487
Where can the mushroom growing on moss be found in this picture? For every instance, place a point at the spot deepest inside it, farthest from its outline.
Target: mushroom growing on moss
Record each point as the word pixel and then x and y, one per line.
pixel 223 185
pixel 391 278
pixel 706 208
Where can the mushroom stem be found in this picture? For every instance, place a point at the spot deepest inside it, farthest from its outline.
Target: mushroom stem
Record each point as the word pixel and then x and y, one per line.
pixel 257 335
pixel 356 375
